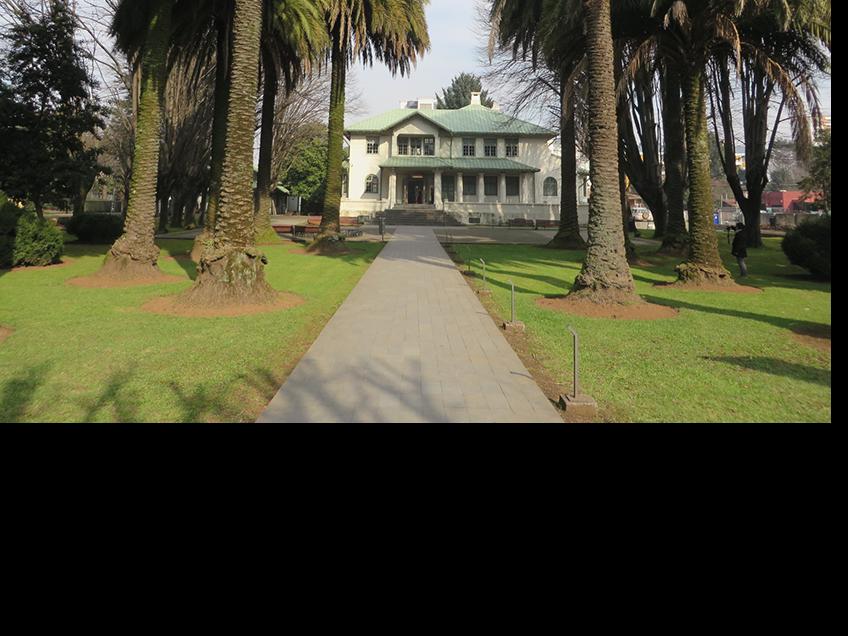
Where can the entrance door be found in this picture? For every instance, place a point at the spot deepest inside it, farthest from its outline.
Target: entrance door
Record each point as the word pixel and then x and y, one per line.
pixel 416 190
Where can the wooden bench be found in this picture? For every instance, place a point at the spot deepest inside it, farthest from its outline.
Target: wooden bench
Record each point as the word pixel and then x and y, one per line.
pixel 548 223
pixel 350 226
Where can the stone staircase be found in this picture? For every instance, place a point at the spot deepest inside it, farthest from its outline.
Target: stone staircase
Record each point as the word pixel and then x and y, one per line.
pixel 420 216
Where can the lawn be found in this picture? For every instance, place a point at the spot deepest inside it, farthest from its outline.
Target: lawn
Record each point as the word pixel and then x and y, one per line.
pixel 726 356
pixel 80 355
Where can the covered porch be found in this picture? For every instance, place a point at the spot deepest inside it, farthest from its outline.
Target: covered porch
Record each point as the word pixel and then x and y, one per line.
pixel 440 181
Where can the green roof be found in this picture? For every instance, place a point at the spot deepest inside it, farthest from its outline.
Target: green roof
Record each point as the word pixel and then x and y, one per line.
pixel 471 120
pixel 464 164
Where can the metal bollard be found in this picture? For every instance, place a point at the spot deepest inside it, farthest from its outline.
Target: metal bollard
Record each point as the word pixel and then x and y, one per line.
pixel 484 272
pixel 576 347
pixel 578 404
pixel 512 286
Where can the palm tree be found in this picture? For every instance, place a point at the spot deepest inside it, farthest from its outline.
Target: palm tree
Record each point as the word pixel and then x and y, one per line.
pixel 542 29
pixel 693 28
pixel 393 31
pixel 134 254
pixel 605 276
pixel 231 270
pixel 779 56
pixel 293 35
pixel 675 237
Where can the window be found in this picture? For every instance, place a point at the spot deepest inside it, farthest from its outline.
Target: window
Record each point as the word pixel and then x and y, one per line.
pixel 429 146
pixel 549 188
pixel 490 147
pixel 469 147
pixel 372 184
pixel 448 187
pixel 469 186
pixel 512 147
pixel 373 145
pixel 490 186
pixel 403 146
pixel 415 146
pixel 512 187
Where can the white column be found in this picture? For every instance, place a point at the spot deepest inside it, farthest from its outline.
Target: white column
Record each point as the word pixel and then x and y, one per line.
pixel 525 188
pixel 502 188
pixel 392 188
pixel 480 188
pixel 459 197
pixel 437 189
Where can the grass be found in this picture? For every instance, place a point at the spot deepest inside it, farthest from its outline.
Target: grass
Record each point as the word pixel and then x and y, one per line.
pixel 726 357
pixel 80 355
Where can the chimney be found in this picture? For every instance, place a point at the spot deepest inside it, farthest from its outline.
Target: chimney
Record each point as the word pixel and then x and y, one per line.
pixel 475 98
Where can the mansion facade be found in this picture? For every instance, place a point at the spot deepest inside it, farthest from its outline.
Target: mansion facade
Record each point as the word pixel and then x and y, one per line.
pixel 475 163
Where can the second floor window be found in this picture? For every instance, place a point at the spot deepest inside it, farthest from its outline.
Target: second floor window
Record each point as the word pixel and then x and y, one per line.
pixel 490 147
pixel 416 146
pixel 511 147
pixel 373 146
pixel 468 147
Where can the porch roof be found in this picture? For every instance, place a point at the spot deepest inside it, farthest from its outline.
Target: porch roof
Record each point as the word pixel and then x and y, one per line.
pixel 464 164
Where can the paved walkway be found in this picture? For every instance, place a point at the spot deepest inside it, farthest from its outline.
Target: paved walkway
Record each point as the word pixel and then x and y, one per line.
pixel 411 343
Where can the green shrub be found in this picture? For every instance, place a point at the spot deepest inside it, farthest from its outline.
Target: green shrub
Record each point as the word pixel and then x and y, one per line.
pixel 808 246
pixel 27 240
pixel 96 228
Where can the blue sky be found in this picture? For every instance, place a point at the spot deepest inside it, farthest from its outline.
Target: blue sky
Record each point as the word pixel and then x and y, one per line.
pixel 455 47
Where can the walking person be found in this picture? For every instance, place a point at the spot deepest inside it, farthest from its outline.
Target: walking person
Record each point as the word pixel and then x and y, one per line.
pixel 739 249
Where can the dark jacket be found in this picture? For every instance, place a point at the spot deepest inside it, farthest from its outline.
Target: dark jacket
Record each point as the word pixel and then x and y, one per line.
pixel 740 245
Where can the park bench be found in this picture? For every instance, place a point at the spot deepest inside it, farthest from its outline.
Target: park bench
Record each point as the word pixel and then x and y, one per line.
pixel 519 223
pixel 547 223
pixel 350 226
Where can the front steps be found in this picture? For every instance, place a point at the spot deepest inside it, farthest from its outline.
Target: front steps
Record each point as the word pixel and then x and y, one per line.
pixel 418 216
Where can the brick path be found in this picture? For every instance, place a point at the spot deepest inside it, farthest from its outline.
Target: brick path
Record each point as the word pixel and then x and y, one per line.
pixel 411 343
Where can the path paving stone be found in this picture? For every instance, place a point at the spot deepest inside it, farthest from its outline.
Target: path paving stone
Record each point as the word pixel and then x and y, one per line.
pixel 411 343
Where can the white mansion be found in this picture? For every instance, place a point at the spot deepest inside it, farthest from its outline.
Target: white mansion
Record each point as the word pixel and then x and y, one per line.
pixel 474 163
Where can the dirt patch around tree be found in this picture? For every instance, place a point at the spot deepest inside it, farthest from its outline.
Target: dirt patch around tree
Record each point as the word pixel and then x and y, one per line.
pixel 5 332
pixel 612 310
pixel 104 281
pixel 171 306
pixel 734 288
pixel 817 337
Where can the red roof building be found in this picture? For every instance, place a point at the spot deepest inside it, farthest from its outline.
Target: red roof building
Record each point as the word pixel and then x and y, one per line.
pixel 786 199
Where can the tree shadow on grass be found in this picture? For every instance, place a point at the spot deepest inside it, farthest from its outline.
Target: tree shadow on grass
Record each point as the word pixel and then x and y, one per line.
pixel 202 403
pixel 115 395
pixel 777 321
pixel 19 391
pixel 775 366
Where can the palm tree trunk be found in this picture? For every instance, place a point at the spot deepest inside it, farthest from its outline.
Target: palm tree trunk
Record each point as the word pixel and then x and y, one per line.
pixel 135 253
pixel 264 231
pixel 568 235
pixel 629 248
pixel 605 276
pixel 703 264
pixel 219 132
pixel 330 223
pixel 231 270
pixel 676 238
